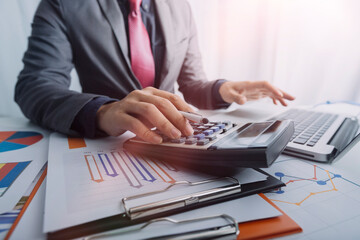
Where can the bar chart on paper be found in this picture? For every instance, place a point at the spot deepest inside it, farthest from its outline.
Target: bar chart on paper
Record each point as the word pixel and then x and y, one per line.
pixel 8 174
pixel 126 162
pixel 14 140
pixel 316 196
pixel 104 178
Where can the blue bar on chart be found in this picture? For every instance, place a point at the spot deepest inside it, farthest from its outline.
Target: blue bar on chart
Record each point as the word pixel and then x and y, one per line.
pixel 143 171
pixel 7 219
pixel 107 164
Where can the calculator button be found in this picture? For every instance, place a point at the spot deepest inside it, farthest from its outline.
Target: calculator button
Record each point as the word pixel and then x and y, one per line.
pixel 227 123
pixel 191 141
pixel 199 136
pixel 211 138
pixel 180 140
pixel 202 128
pixel 209 125
pixel 215 129
pixel 196 132
pixel 203 142
pixel 208 132
pixel 166 139
pixel 221 126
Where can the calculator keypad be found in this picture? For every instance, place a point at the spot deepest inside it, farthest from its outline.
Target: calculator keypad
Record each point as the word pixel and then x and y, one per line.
pixel 203 133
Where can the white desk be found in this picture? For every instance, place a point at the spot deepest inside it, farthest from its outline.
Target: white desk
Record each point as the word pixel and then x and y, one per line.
pixel 326 206
pixel 248 112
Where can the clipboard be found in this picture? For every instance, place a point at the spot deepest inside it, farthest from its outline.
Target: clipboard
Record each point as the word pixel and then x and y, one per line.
pixel 228 231
pixel 259 229
pixel 128 218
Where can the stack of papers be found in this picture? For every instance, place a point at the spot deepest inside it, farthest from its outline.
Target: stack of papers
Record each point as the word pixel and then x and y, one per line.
pixel 88 183
pixel 87 179
pixel 23 153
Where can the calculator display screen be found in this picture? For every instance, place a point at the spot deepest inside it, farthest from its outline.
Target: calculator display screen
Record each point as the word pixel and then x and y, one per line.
pixel 266 136
pixel 256 134
pixel 248 136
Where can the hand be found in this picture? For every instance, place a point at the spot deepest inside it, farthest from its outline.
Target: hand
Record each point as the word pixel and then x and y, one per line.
pixel 241 92
pixel 143 109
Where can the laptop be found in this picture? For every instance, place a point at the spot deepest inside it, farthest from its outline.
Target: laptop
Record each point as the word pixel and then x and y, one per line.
pixel 319 136
pixel 350 150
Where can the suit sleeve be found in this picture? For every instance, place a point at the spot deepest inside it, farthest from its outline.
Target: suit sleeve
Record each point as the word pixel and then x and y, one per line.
pixel 192 80
pixel 42 90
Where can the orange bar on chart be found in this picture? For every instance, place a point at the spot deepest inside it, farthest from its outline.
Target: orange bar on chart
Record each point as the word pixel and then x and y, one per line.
pixel 268 228
pixel 75 143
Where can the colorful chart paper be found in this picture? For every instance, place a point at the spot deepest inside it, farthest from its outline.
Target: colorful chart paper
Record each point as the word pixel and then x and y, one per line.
pixel 8 174
pixel 322 199
pixel 75 143
pixel 10 141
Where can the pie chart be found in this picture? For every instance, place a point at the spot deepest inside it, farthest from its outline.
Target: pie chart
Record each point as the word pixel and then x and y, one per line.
pixel 10 141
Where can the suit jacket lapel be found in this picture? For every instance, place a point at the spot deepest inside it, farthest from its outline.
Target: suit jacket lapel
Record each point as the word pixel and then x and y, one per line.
pixel 166 25
pixel 114 15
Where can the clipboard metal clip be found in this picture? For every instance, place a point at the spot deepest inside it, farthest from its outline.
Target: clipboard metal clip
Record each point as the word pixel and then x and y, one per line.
pixel 229 231
pixel 182 201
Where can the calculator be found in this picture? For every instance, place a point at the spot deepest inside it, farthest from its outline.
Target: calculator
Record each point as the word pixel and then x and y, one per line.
pixel 221 143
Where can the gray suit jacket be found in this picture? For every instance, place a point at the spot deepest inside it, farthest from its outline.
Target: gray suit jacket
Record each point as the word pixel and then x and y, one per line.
pixel 90 36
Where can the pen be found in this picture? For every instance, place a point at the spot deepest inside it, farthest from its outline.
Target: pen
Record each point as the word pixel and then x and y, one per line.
pixel 194 117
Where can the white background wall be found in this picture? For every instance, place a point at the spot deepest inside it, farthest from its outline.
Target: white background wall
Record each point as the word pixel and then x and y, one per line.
pixel 15 27
pixel 308 47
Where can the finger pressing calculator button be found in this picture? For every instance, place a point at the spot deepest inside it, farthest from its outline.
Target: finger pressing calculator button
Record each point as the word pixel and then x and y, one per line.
pixel 203 142
pixel 166 139
pixel 157 131
pixel 191 141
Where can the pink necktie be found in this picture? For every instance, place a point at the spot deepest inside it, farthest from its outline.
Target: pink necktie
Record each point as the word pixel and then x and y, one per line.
pixel 142 61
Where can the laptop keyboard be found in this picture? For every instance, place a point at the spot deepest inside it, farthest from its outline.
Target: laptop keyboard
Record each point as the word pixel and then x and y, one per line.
pixel 310 126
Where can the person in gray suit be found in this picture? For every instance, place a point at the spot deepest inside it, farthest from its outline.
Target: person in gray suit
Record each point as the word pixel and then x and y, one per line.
pixel 128 55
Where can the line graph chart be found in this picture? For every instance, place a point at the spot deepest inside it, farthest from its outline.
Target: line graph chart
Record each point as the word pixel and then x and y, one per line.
pixel 320 177
pixel 317 196
pixel 297 179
